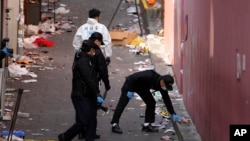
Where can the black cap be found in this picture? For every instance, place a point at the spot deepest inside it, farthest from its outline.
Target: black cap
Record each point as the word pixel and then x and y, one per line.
pixel 98 36
pixel 87 45
pixel 169 81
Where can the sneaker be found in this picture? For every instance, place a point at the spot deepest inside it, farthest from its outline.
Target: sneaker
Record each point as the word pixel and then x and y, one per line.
pixel 116 129
pixel 149 128
pixel 60 137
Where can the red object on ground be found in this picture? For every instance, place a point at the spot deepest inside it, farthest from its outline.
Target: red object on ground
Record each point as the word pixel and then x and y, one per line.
pixel 42 42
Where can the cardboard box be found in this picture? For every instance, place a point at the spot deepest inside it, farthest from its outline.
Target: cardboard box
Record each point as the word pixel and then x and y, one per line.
pixel 118 37
pixel 121 38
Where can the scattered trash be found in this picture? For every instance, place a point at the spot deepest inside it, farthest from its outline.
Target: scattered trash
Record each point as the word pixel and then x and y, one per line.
pixel 24 60
pixel 145 67
pixel 8 94
pixel 66 26
pixel 161 127
pixel 9 103
pixel 61 10
pixel 137 41
pixel 170 131
pixel 41 69
pixel 23 115
pixel 32 74
pixel 132 10
pixel 48 68
pixel 2 125
pixel 45 130
pixel 26 91
pixel 10 90
pixel 43 42
pixel 37 134
pixel 29 81
pixel 165 138
pixel 62 5
pixel 165 113
pixel 119 58
pixel 14 138
pixel 16 70
pixel 165 121
pixel 46 26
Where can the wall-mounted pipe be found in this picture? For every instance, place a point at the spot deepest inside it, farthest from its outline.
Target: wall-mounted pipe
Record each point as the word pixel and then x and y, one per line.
pixel 238 67
pixel 243 62
pixel 1 19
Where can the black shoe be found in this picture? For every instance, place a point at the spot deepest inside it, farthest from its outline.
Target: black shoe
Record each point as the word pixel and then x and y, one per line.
pixel 81 136
pixel 60 137
pixel 116 129
pixel 149 128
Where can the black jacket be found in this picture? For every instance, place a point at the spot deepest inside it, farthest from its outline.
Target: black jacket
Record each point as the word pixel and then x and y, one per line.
pixel 101 67
pixel 142 82
pixel 84 80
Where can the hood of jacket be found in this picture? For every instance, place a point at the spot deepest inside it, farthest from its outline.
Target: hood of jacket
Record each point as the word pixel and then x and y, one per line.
pixel 92 21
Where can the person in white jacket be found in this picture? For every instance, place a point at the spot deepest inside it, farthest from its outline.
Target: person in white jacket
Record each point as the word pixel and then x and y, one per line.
pixel 92 25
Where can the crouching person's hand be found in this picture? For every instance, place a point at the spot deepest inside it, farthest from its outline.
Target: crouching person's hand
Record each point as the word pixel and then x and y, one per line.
pixel 100 100
pixel 130 95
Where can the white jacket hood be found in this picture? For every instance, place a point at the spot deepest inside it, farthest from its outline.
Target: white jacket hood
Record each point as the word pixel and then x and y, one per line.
pixel 92 21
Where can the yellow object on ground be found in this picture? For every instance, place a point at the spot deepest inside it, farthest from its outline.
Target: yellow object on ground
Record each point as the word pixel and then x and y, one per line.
pixel 164 113
pixel 137 41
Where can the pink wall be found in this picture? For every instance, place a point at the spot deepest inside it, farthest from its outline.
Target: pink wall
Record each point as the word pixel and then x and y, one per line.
pixel 217 31
pixel 168 28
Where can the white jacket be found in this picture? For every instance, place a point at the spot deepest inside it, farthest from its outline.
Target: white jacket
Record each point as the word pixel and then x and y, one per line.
pixel 84 32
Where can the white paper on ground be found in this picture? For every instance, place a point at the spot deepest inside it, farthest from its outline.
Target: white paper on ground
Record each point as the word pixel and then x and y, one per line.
pixel 29 81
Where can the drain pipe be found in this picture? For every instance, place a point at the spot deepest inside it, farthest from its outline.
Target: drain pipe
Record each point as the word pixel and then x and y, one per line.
pixel 1 18
pixel 137 11
pixel 114 14
pixel 1 24
pixel 138 15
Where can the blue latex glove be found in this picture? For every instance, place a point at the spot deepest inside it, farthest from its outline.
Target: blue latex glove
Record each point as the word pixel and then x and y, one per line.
pixel 5 51
pixel 100 100
pixel 177 117
pixel 130 95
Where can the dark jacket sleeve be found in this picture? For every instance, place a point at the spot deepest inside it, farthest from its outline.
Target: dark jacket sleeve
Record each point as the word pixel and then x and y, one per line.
pixel 102 68
pixel 142 79
pixel 87 72
pixel 167 101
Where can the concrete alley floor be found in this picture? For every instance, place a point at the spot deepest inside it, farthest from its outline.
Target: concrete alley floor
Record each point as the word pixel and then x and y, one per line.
pixel 48 102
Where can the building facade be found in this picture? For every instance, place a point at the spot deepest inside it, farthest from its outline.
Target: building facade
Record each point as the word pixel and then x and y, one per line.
pixel 209 39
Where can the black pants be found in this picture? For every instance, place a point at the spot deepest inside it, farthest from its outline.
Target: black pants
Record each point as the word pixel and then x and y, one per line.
pixel 146 96
pixel 85 108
